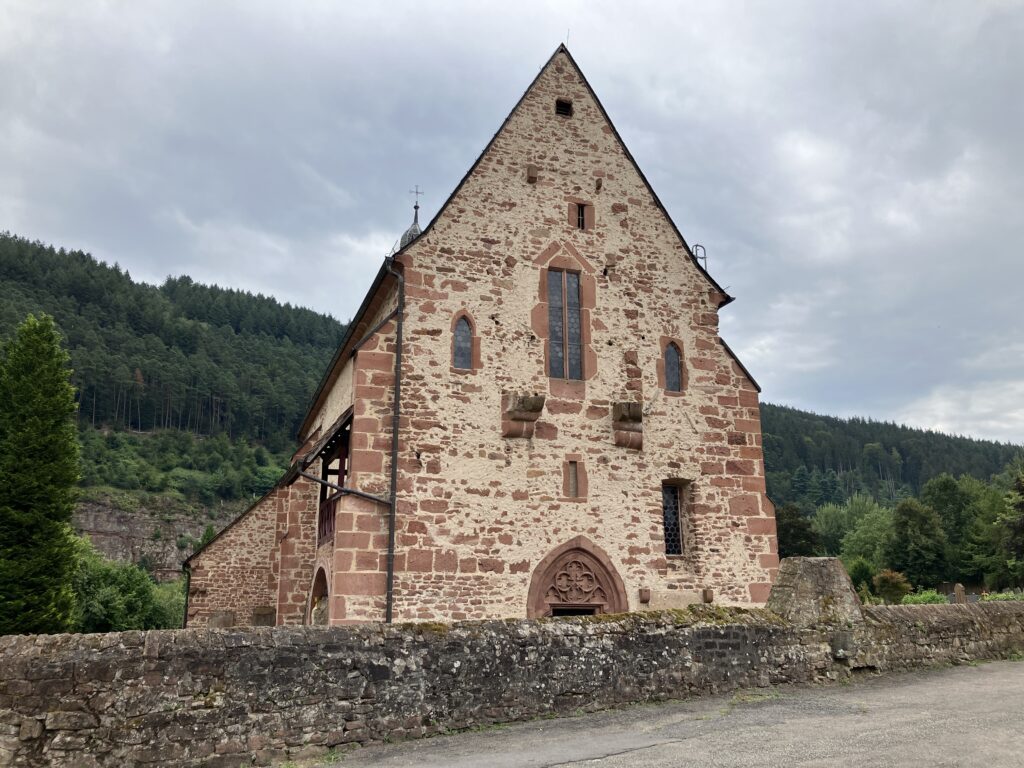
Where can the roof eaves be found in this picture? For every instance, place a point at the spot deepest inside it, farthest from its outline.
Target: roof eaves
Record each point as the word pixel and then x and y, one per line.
pixel 740 364
pixel 276 486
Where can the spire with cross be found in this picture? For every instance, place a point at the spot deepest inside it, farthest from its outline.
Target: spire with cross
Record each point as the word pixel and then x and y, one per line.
pixel 416 207
pixel 414 231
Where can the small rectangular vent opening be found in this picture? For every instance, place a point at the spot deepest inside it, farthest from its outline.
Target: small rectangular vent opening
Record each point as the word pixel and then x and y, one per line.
pixel 574 479
pixel 531 174
pixel 581 216
pixel 563 107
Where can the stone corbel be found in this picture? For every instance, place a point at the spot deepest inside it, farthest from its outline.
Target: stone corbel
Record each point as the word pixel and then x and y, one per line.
pixel 628 425
pixel 519 414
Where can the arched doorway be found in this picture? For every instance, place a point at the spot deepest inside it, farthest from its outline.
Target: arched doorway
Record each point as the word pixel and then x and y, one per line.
pixel 576 579
pixel 318 606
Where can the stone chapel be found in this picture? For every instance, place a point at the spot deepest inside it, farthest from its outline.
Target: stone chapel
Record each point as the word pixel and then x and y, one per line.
pixel 532 413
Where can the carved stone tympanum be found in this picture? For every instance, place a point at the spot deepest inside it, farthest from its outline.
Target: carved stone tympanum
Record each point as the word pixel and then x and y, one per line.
pixel 577 575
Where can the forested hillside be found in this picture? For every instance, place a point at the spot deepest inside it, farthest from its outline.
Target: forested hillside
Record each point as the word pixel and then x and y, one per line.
pixel 181 356
pixel 189 395
pixel 812 460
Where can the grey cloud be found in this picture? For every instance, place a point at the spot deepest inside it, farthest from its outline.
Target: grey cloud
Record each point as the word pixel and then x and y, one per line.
pixel 855 172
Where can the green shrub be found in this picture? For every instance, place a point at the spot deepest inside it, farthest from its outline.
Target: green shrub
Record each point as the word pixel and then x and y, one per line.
pixel 891 586
pixel 860 570
pixel 112 597
pixel 1002 596
pixel 924 597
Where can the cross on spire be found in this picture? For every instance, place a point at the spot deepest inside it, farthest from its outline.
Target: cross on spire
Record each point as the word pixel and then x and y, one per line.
pixel 416 207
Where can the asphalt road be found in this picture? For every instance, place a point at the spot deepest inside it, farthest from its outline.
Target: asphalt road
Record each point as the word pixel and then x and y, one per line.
pixel 963 716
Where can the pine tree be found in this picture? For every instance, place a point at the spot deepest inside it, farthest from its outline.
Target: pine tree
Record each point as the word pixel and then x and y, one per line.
pixel 38 472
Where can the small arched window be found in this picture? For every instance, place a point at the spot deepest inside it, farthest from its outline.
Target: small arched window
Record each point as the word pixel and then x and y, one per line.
pixel 673 368
pixel 462 349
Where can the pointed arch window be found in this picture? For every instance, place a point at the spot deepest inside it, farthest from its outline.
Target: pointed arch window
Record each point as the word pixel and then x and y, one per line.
pixel 462 348
pixel 673 368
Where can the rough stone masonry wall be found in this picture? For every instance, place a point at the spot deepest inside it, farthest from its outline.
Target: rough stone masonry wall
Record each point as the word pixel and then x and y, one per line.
pixel 231 697
pixel 258 571
pixel 481 510
pixel 234 578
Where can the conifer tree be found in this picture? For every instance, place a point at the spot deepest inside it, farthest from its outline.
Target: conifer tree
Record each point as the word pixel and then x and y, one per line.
pixel 918 544
pixel 38 471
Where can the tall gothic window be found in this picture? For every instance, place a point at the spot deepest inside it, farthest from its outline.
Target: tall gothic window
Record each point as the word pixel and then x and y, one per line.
pixel 565 328
pixel 673 368
pixel 462 350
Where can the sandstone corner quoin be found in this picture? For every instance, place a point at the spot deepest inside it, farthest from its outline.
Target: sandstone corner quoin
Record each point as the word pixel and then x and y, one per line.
pixel 532 413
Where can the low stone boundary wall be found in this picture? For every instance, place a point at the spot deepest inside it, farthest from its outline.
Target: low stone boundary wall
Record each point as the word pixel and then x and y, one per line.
pixel 231 697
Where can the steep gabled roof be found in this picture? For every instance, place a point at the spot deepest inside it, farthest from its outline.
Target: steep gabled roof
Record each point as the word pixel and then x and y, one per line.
pixel 350 337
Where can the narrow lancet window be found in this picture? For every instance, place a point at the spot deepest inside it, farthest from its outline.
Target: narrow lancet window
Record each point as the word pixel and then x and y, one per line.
pixel 462 350
pixel 565 327
pixel 673 368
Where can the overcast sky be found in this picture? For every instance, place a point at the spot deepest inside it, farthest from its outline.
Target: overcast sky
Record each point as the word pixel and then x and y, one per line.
pixel 855 170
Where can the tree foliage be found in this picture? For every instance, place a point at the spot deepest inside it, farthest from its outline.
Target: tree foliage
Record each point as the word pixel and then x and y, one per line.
pixel 813 460
pixel 113 597
pixel 38 472
pixel 918 544
pixel 796 535
pixel 181 356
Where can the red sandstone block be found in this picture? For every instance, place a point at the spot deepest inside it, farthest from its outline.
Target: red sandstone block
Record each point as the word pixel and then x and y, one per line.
pixel 562 406
pixel 491 565
pixel 365 424
pixel 374 361
pixel 365 583
pixel 712 468
pixel 760 526
pixel 748 398
pixel 370 523
pixel 420 560
pixel 744 505
pixel 759 591
pixel 367 461
pixel 739 467
pixel 416 526
pixel 769 561
pixel 342 560
pixel 467 565
pixel 347 540
pixel 367 561
pixel 544 430
pixel 754 484
pixel 446 561
pixel 748 425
